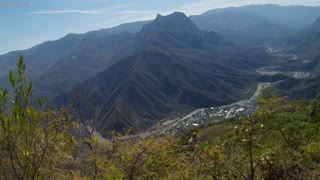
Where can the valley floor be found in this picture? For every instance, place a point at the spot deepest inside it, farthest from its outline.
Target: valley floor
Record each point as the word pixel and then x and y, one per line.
pixel 203 116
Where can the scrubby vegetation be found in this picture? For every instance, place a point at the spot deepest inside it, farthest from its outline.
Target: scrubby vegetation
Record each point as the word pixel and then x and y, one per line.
pixel 280 141
pixel 34 144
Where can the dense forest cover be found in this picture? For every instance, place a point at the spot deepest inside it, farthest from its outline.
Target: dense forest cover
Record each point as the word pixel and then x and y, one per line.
pixel 281 140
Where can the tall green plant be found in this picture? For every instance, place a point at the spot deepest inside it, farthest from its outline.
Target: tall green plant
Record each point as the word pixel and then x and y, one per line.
pixel 33 144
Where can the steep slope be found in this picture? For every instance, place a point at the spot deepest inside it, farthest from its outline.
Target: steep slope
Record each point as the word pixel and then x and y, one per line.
pixel 39 58
pixel 91 56
pixel 178 68
pixel 305 46
pixel 300 88
pixel 305 42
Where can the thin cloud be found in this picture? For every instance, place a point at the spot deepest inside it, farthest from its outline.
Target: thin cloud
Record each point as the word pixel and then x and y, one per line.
pixel 133 12
pixel 120 17
pixel 137 15
pixel 97 11
pixel 117 7
pixel 87 3
pixel 65 11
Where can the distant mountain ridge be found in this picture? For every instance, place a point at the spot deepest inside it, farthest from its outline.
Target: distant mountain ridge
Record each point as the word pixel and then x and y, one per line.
pixel 257 24
pixel 294 16
pixel 41 57
pixel 241 27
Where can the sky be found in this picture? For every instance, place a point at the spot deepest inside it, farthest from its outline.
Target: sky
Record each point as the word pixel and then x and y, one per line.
pixel 25 23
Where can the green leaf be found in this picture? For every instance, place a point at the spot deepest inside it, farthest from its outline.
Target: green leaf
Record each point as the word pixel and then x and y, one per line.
pixel 40 101
pixel 11 78
pixel 29 88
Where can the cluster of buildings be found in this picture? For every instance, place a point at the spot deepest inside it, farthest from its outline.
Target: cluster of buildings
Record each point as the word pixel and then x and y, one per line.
pixel 213 114
pixel 204 116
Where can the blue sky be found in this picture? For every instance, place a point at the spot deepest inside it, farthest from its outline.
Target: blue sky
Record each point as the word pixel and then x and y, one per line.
pixel 25 23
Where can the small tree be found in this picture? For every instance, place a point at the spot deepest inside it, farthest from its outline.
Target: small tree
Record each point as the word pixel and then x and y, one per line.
pixel 33 144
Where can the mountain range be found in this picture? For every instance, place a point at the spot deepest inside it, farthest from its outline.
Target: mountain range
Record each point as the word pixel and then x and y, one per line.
pixel 136 74
pixel 246 26
pixel 177 68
